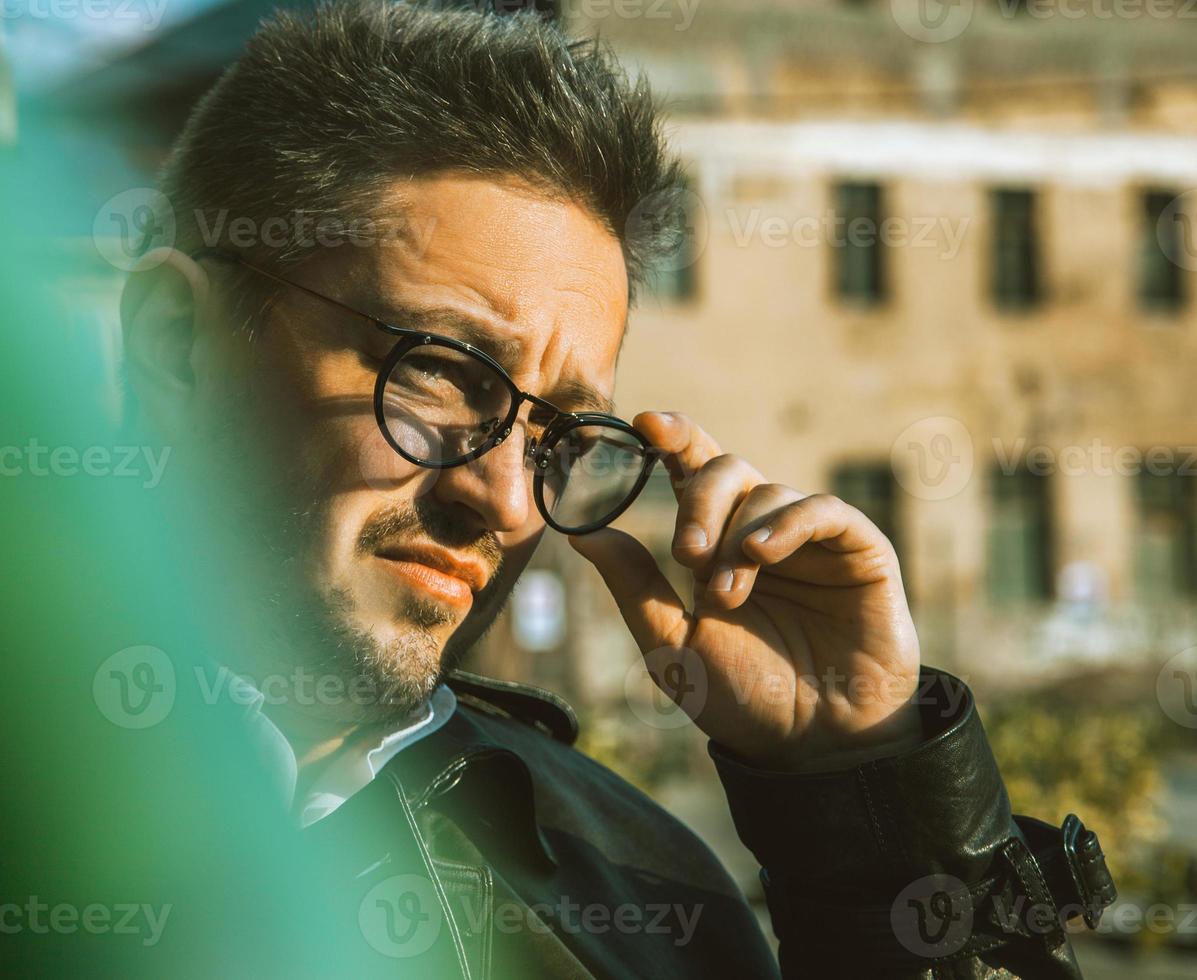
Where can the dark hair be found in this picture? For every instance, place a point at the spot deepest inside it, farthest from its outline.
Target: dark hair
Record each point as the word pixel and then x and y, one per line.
pixel 325 108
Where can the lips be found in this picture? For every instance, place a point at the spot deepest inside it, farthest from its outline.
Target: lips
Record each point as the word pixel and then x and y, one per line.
pixel 472 572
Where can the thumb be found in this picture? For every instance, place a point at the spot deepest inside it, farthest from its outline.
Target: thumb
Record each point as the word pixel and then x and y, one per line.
pixel 649 605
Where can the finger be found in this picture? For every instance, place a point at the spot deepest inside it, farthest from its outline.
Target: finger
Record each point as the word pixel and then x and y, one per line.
pixel 686 446
pixel 858 550
pixel 735 567
pixel 655 614
pixel 706 506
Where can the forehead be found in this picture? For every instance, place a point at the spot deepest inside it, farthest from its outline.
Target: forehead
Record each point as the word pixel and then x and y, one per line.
pixel 539 283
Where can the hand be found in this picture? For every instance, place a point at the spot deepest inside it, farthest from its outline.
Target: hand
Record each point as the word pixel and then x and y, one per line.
pixel 800 642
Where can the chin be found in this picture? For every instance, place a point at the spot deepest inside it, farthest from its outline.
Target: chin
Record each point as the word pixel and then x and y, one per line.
pixel 396 671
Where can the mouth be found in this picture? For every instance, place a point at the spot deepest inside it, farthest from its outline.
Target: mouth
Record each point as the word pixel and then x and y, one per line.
pixel 435 571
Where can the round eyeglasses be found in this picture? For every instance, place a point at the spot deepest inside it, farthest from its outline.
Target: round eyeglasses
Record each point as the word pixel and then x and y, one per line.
pixel 441 402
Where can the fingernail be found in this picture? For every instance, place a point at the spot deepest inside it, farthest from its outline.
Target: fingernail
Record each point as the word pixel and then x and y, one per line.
pixel 761 534
pixel 722 580
pixel 692 537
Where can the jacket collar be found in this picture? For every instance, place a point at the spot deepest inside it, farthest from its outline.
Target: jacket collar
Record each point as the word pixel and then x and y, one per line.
pixel 462 768
pixel 487 786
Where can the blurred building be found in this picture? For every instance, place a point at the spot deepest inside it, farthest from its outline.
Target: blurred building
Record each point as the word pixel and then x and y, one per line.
pixel 941 264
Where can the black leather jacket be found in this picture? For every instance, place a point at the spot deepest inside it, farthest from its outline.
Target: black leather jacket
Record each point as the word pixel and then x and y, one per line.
pixel 492 849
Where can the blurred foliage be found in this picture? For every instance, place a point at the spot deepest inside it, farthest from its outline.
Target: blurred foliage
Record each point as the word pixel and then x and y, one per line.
pixel 1067 751
pixel 1094 746
pixel 1100 764
pixel 1078 748
pixel 645 756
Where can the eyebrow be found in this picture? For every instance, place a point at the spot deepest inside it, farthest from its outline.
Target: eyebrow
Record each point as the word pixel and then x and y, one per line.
pixel 578 394
pixel 585 396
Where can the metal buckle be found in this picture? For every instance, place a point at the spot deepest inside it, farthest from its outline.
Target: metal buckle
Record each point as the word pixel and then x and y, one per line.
pixel 1077 840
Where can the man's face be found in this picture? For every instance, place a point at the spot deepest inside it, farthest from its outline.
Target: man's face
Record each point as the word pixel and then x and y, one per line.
pixel 394 570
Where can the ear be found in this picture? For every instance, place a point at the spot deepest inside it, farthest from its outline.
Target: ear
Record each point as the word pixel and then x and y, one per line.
pixel 160 317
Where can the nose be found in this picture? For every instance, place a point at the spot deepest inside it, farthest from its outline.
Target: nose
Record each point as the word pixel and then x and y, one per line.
pixel 495 487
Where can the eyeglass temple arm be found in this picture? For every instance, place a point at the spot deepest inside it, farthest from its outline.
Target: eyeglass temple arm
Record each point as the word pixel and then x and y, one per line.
pixel 224 255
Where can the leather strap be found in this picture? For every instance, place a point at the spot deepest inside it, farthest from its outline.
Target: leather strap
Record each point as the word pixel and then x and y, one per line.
pixel 1074 867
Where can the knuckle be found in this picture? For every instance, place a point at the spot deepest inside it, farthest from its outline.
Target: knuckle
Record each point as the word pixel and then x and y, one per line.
pixel 730 467
pixel 724 461
pixel 880 560
pixel 706 480
pixel 888 552
pixel 827 506
pixel 769 492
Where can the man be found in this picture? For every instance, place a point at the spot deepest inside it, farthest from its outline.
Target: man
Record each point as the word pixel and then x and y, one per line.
pixel 385 339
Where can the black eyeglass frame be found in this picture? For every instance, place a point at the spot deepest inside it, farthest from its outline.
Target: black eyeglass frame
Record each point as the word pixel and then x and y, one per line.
pixel 539 451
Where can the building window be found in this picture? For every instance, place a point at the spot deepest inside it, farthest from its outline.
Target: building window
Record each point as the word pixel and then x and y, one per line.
pixel 673 276
pixel 1161 286
pixel 871 489
pixel 1015 250
pixel 1166 557
pixel 855 240
pixel 1019 556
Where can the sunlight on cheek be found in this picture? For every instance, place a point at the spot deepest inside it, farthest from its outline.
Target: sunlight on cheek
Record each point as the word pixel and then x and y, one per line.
pixel 375 465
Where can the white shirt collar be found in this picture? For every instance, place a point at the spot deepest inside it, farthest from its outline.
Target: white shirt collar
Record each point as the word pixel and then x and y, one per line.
pixel 350 768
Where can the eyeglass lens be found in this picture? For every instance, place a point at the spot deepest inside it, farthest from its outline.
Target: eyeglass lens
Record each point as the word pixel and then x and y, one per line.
pixel 440 404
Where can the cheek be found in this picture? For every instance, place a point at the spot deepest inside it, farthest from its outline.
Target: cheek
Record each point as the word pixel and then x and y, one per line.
pixel 331 425
pixel 355 474
pixel 372 468
pixel 327 455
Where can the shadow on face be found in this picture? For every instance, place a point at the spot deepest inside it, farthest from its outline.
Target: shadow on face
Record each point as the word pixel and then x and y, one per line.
pixel 375 565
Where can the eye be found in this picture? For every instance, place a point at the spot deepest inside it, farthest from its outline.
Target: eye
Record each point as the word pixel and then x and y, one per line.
pixel 435 367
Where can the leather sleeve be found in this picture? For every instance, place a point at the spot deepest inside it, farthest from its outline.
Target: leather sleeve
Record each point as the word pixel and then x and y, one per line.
pixel 913 866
